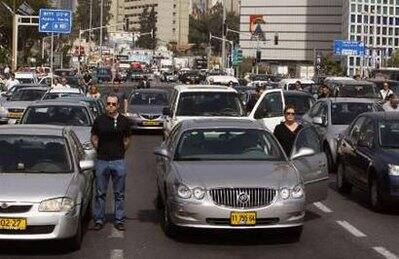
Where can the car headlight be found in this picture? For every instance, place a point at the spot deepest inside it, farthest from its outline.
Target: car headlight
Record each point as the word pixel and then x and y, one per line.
pixel 183 191
pixel 198 193
pixel 132 115
pixel 57 205
pixel 393 170
pixel 285 193
pixel 297 192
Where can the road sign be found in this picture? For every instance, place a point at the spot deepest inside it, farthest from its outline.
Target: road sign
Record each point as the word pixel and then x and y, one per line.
pixel 349 48
pixel 318 62
pixel 55 21
pixel 236 56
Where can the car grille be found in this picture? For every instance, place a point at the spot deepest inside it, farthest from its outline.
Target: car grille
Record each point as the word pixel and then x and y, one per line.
pixel 16 110
pixel 232 197
pixel 150 116
pixel 16 209
pixel 30 230
pixel 226 222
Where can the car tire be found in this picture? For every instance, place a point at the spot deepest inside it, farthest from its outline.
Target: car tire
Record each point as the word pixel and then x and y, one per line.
pixel 167 226
pixel 295 233
pixel 75 243
pixel 342 184
pixel 375 199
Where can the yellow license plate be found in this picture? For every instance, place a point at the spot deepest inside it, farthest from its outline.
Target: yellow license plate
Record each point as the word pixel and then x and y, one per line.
pixel 243 218
pixel 13 223
pixel 151 123
pixel 14 115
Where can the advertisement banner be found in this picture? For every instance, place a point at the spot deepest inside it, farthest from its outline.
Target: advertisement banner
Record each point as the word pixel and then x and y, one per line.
pixel 255 28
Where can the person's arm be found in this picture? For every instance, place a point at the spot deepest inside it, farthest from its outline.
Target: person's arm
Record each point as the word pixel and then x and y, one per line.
pixel 126 142
pixel 94 135
pixel 94 141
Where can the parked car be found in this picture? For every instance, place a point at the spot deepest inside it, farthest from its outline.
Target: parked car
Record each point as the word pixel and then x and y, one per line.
pixel 332 116
pixel 46 184
pixel 368 155
pixel 19 100
pixel 269 107
pixel 233 174
pixel 145 108
pixel 75 115
pixel 200 101
pixel 103 74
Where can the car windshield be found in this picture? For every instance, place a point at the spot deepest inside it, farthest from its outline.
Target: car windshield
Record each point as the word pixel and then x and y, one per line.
pixel 302 103
pixel 27 95
pixel 228 144
pixel 345 113
pixel 209 104
pixel 57 115
pixel 25 80
pixel 51 96
pixel 389 133
pixel 149 98
pixel 33 154
pixel 359 91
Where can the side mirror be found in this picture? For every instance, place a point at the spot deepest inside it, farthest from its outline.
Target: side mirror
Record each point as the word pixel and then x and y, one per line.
pixel 166 111
pixel 86 165
pixel 320 121
pixel 163 152
pixel 302 152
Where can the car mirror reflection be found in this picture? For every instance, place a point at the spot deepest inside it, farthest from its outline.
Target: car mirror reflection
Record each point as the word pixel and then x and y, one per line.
pixel 302 152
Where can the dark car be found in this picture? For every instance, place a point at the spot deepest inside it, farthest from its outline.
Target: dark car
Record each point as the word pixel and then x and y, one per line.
pixel 191 77
pixel 146 106
pixel 358 89
pixel 368 158
pixel 393 85
pixel 96 105
pixel 103 74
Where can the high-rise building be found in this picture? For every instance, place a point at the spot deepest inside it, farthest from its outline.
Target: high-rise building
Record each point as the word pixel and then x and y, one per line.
pixel 376 24
pixel 172 18
pixel 64 4
pixel 301 27
pixel 117 9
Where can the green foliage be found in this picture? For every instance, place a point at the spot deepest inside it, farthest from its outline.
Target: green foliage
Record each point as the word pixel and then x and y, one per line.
pixel 212 22
pixel 394 60
pixel 331 66
pixel 148 21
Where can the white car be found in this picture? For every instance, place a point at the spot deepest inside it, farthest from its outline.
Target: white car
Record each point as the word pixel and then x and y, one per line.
pixel 201 101
pixel 289 84
pixel 60 92
pixel 46 80
pixel 26 77
pixel 221 80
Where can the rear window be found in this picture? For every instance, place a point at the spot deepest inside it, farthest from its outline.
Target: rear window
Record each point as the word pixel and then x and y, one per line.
pixel 359 91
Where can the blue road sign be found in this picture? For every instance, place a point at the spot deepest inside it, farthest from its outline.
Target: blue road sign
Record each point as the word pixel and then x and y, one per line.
pixel 55 21
pixel 349 48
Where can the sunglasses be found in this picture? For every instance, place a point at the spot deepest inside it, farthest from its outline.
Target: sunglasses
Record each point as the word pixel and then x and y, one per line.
pixel 290 113
pixel 112 104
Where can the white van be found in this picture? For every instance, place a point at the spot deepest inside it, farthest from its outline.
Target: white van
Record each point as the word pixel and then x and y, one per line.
pixel 289 83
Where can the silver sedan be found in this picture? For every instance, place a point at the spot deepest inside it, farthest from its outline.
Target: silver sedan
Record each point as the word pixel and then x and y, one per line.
pixel 46 184
pixel 233 174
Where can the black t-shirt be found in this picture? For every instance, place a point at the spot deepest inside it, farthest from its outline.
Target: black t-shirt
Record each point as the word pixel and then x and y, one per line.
pixel 87 78
pixel 286 137
pixel 110 133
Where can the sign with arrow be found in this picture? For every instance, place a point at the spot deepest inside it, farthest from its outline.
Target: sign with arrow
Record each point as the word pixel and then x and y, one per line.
pixel 55 21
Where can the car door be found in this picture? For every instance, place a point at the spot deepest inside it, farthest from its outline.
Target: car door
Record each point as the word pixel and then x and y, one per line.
pixel 312 168
pixel 169 119
pixel 269 108
pixel 308 117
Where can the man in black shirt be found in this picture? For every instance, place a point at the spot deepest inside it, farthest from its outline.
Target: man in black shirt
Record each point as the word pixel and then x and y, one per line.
pixel 110 137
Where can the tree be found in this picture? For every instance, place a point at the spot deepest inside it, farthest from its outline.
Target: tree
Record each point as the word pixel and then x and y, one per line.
pixel 148 21
pixel 394 60
pixel 330 66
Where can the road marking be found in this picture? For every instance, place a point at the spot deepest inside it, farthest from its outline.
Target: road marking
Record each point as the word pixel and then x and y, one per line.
pixel 322 207
pixel 385 253
pixel 116 233
pixel 354 231
pixel 117 254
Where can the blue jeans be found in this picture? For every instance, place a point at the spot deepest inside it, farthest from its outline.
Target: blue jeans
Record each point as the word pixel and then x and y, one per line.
pixel 115 169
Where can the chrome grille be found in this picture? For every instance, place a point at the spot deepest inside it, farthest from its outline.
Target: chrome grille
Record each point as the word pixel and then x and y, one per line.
pixel 150 116
pixel 15 209
pixel 235 197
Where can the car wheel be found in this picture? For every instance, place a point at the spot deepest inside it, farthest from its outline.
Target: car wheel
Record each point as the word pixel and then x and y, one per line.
pixel 168 227
pixel 330 162
pixel 375 199
pixel 75 242
pixel 342 184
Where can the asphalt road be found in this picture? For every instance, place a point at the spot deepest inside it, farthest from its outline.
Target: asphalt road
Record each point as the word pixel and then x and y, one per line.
pixel 340 227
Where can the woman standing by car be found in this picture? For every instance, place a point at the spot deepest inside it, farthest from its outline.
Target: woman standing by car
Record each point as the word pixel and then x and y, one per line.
pixel 287 130
pixel 93 92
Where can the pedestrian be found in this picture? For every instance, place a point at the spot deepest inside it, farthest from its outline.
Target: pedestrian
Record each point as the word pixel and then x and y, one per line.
pixel 325 92
pixel 253 99
pixel 87 80
pixel 287 130
pixel 93 92
pixel 391 104
pixel 298 86
pixel 110 137
pixel 11 81
pixel 122 96
pixel 385 91
pixel 64 83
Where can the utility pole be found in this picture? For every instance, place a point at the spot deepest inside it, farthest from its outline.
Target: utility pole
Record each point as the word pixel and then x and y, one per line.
pixel 101 29
pixel 223 63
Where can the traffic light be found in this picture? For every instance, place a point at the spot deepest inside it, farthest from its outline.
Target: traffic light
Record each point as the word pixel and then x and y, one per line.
pixel 258 56
pixel 126 27
pixel 275 39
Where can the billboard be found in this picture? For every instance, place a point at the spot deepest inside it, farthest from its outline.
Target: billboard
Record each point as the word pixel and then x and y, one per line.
pixel 349 48
pixel 255 27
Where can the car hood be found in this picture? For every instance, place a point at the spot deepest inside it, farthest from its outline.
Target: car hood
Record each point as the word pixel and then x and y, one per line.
pixel 146 109
pixel 16 104
pixel 33 187
pixel 215 174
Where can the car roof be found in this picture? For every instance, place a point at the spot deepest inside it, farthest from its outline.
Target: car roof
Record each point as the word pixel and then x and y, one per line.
pixel 57 103
pixel 348 100
pixel 294 80
pixel 204 88
pixel 30 85
pixel 64 90
pixel 219 123
pixel 150 90
pixel 383 115
pixel 34 88
pixel 33 130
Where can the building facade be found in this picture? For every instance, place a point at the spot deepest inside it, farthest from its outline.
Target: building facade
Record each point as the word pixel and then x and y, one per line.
pixel 117 9
pixel 302 26
pixel 376 24
pixel 172 18
pixel 65 4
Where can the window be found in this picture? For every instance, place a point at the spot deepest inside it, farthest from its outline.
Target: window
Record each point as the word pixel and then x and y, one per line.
pixel 271 106
pixel 367 132
pixel 355 130
pixel 308 138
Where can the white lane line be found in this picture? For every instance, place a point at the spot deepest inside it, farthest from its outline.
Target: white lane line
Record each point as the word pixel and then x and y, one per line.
pixel 117 254
pixel 116 233
pixel 385 253
pixel 354 231
pixel 322 207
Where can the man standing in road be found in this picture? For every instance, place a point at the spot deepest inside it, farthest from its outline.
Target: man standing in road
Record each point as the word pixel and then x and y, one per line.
pixel 11 81
pixel 110 137
pixel 385 91
pixel 392 104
